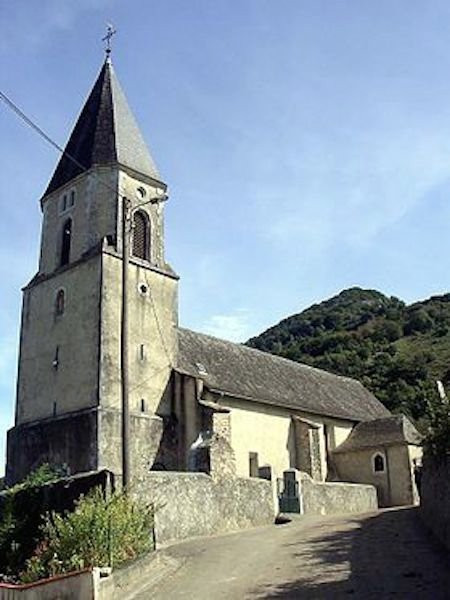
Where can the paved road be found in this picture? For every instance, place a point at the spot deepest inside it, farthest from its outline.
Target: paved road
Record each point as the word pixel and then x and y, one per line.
pixel 381 555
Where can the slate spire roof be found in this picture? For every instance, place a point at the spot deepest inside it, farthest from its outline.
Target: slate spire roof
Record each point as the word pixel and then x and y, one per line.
pixel 105 133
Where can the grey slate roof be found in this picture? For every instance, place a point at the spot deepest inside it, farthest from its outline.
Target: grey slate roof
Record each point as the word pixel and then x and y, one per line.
pixel 105 133
pixel 396 429
pixel 248 373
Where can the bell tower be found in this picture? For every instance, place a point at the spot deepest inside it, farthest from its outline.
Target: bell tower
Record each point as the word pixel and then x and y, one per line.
pixel 68 406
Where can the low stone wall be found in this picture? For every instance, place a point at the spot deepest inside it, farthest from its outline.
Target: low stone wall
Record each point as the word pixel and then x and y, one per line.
pixel 72 586
pixel 97 583
pixel 194 504
pixel 435 498
pixel 130 580
pixel 335 498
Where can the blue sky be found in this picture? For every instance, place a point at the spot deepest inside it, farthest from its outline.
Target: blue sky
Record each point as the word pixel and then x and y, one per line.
pixel 306 144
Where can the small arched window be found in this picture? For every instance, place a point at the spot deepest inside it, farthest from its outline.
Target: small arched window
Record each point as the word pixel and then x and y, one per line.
pixel 378 463
pixel 141 236
pixel 59 303
pixel 65 242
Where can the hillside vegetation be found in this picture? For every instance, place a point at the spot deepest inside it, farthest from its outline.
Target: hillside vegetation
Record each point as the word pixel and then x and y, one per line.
pixel 395 350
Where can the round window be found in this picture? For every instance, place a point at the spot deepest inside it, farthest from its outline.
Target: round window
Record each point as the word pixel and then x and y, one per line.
pixel 141 193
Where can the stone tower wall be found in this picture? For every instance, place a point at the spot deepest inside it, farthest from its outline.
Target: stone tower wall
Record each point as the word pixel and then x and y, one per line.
pixel 152 336
pixel 58 363
pixel 93 215
pixel 70 362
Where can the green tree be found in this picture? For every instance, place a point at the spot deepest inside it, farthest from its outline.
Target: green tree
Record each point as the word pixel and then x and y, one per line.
pixel 418 322
pixel 437 438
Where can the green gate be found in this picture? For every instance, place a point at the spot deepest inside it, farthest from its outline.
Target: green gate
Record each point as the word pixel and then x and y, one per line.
pixel 288 493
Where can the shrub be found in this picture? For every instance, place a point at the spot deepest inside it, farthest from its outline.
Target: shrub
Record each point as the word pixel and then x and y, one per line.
pixel 418 321
pixel 100 531
pixel 20 518
pixel 437 438
pixel 44 474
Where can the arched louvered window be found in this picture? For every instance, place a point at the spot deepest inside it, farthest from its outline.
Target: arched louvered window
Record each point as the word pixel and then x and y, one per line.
pixel 65 242
pixel 141 236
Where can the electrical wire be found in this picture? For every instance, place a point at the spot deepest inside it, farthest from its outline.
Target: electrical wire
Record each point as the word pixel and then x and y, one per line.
pixel 161 337
pixel 13 106
pixel 158 325
pixel 30 123
pixel 147 379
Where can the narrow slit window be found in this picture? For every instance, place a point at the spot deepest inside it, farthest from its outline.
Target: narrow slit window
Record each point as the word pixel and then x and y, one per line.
pixel 141 236
pixel 66 242
pixel 55 362
pixel 60 303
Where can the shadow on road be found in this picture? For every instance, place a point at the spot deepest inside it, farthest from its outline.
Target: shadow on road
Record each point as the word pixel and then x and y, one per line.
pixel 386 555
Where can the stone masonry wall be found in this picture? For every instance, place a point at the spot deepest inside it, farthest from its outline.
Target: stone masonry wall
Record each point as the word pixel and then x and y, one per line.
pixel 145 441
pixel 221 424
pixel 316 461
pixel 335 498
pixel 303 447
pixel 435 498
pixel 221 455
pixel 193 504
pixel 307 440
pixel 69 440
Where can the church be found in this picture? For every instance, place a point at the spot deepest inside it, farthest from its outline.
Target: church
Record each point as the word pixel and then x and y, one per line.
pixel 194 401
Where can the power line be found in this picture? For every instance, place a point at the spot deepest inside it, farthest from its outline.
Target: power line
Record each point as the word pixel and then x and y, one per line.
pixel 13 106
pixel 151 376
pixel 162 339
pixel 158 324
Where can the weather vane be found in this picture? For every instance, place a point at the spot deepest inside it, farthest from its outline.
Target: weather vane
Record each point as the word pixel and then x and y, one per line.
pixel 110 31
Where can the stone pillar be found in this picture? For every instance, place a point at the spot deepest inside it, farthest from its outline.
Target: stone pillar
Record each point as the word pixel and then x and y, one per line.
pixel 316 459
pixel 221 424
pixel 221 454
pixel 307 441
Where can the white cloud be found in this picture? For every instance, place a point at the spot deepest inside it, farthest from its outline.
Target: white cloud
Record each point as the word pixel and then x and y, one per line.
pixel 234 327
pixel 349 192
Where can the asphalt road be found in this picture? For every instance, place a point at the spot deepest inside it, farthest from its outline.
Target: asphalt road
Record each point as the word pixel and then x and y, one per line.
pixel 387 554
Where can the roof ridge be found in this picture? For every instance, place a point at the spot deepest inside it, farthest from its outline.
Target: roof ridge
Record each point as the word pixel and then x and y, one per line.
pixel 274 356
pixel 253 374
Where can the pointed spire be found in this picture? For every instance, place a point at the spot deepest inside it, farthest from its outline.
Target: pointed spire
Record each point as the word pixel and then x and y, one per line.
pixel 106 133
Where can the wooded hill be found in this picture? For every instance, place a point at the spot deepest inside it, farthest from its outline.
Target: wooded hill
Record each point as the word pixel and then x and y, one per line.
pixel 396 351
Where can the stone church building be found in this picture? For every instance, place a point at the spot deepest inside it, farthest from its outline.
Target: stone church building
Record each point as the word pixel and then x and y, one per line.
pixel 192 397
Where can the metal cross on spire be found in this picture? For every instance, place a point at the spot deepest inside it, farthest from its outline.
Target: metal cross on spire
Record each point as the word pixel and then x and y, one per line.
pixel 110 31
